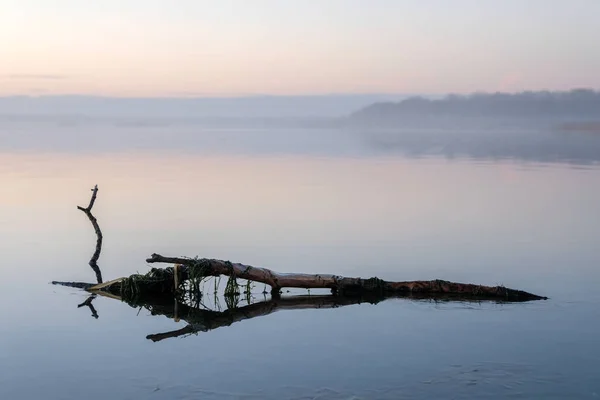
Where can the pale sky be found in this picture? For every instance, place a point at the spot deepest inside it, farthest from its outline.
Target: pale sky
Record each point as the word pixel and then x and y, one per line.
pixel 244 47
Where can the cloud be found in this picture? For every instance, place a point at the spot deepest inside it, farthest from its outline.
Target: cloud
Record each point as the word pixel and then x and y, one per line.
pixel 36 76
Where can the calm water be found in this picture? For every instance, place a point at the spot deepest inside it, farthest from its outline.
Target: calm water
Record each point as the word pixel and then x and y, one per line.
pixel 287 207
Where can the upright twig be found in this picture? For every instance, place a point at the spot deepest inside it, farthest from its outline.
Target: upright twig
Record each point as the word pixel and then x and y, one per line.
pixel 88 211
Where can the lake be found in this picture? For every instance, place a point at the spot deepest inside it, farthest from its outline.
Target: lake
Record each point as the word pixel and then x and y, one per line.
pixel 313 201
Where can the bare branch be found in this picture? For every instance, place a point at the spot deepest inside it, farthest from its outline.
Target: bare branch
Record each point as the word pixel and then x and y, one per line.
pixel 78 285
pixel 88 211
pixel 88 303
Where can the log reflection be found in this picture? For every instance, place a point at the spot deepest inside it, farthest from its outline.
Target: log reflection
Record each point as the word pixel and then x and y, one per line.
pixel 203 319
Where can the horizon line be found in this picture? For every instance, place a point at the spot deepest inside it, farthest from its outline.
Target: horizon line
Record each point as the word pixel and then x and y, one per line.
pixel 267 95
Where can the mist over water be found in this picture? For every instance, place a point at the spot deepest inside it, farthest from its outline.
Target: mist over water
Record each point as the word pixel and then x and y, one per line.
pixel 489 205
pixel 542 141
pixel 560 127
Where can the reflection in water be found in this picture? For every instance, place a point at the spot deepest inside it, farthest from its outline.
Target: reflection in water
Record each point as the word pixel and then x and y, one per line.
pixel 526 145
pixel 200 318
pixel 88 303
pixel 492 223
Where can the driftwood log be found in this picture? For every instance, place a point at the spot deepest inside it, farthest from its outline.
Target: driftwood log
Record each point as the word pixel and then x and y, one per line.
pixel 338 285
pixel 161 282
pixel 186 273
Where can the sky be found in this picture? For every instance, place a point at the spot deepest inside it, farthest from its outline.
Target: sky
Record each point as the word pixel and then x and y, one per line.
pixel 195 48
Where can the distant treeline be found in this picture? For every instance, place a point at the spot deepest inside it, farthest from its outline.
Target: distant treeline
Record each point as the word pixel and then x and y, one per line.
pixel 574 103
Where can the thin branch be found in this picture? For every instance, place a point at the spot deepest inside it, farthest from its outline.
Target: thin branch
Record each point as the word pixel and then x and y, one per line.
pixel 88 211
pixel 78 285
pixel 88 303
pixel 187 330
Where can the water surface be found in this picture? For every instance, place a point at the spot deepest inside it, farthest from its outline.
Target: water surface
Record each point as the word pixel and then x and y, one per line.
pixel 524 224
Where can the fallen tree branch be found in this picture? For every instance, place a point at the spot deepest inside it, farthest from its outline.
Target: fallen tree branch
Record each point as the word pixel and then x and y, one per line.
pixel 88 211
pixel 188 273
pixel 338 284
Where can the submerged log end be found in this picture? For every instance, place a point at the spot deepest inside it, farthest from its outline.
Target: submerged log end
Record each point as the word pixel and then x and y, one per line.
pixel 461 289
pixel 519 294
pixel 358 286
pixel 78 285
